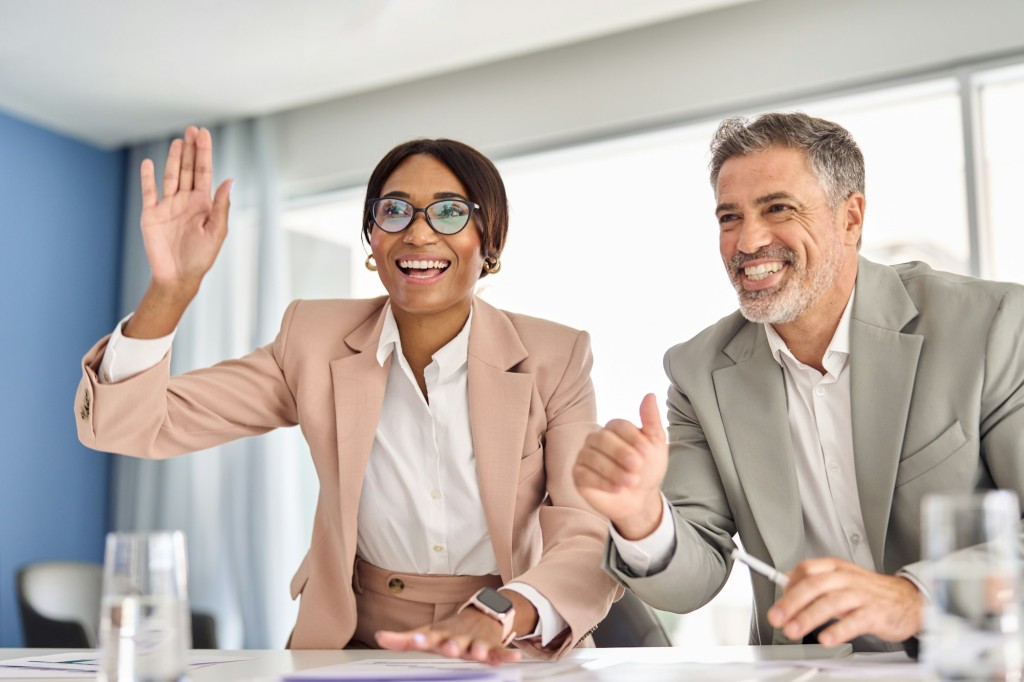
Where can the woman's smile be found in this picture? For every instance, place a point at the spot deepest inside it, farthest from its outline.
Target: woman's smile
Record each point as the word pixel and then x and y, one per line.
pixel 423 267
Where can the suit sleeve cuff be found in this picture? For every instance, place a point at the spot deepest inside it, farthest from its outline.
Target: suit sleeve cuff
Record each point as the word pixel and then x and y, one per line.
pixel 653 553
pixel 549 623
pixel 125 357
pixel 917 583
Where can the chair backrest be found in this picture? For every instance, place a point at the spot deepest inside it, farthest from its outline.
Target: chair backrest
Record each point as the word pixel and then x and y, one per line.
pixel 204 631
pixel 60 607
pixel 630 622
pixel 60 603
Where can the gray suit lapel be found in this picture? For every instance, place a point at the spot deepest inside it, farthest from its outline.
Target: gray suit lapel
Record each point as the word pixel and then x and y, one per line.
pixel 883 363
pixel 752 401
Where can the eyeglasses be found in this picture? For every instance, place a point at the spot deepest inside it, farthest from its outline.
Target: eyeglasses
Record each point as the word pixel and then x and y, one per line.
pixel 447 216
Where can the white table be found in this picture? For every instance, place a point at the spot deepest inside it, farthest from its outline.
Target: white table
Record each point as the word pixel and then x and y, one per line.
pixel 620 665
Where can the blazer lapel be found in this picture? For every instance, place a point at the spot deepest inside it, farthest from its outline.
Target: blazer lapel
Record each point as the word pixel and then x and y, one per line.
pixel 752 402
pixel 359 384
pixel 499 409
pixel 882 370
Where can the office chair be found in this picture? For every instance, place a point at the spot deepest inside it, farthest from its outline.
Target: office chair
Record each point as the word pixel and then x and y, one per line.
pixel 60 603
pixel 630 622
pixel 60 607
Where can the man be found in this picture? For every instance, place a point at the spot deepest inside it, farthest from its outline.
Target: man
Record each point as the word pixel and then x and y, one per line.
pixel 812 421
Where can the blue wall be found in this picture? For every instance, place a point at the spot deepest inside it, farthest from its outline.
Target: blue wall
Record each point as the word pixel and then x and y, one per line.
pixel 60 216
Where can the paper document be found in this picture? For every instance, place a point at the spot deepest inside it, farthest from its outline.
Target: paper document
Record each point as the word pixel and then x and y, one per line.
pixel 85 664
pixel 430 669
pixel 425 669
pixel 436 668
pixel 867 665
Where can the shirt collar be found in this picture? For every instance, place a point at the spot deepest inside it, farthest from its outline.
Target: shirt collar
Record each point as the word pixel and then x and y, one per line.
pixel 450 358
pixel 838 348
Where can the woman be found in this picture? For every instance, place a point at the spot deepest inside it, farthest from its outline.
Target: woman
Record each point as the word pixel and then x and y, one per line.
pixel 443 431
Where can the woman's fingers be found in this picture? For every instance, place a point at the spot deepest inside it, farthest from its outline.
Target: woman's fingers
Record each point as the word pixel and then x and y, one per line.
pixel 456 637
pixel 203 162
pixel 148 179
pixel 188 160
pixel 172 168
pixel 189 167
pixel 219 211
pixel 479 651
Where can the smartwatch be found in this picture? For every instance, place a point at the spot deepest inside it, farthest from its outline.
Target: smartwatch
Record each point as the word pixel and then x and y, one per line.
pixel 497 606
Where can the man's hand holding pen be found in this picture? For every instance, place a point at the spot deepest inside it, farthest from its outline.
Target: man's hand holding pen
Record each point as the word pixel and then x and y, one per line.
pixel 857 601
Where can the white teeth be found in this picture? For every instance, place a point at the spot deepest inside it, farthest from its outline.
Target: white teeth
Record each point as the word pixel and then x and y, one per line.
pixel 759 272
pixel 423 264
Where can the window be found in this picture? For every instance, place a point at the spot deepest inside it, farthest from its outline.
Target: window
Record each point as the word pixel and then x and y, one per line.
pixel 1002 110
pixel 911 137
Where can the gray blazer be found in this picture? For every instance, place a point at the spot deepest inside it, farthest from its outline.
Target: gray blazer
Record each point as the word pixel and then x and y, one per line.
pixel 937 389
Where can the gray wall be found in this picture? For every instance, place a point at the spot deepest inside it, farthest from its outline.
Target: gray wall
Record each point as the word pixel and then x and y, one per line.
pixel 741 57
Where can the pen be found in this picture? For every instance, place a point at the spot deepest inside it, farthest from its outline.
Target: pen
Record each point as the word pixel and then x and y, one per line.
pixel 758 566
pixel 808 674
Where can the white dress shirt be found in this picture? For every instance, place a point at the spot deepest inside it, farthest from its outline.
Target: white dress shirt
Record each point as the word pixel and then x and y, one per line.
pixel 421 472
pixel 821 425
pixel 420 509
pixel 124 357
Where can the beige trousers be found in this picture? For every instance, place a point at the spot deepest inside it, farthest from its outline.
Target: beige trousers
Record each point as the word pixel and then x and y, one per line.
pixel 388 600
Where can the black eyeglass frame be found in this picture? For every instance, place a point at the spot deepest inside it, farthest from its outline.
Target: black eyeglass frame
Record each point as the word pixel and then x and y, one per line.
pixel 370 203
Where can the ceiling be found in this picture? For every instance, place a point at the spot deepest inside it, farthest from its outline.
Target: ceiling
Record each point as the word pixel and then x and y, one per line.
pixel 112 72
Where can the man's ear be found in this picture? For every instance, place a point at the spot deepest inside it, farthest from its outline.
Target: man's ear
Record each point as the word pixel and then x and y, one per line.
pixel 852 215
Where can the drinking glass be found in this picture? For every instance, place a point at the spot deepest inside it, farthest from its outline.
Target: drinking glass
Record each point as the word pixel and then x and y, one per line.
pixel 145 626
pixel 972 628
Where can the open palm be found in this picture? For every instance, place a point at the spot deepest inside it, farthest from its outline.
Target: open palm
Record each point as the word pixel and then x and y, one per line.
pixel 183 231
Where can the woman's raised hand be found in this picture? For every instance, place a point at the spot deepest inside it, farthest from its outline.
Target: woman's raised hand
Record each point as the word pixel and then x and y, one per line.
pixel 182 231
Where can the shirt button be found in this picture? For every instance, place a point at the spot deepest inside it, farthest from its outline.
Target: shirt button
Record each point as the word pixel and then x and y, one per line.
pixel 438 548
pixel 819 391
pixel 833 465
pixel 396 585
pixel 435 494
pixel 855 539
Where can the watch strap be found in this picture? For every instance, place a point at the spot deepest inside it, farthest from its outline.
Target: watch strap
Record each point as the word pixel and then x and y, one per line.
pixel 506 620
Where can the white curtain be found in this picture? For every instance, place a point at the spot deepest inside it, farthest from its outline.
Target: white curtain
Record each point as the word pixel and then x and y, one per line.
pixel 239 503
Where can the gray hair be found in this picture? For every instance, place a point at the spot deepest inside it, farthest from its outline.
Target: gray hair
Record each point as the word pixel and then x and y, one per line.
pixel 831 152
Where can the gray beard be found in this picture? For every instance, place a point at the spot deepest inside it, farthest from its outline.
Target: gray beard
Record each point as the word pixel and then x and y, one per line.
pixel 787 302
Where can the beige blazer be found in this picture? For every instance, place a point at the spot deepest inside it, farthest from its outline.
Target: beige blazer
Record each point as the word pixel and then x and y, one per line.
pixel 937 401
pixel 531 405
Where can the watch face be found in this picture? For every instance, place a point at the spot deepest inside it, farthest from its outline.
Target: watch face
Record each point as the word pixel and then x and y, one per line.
pixel 493 600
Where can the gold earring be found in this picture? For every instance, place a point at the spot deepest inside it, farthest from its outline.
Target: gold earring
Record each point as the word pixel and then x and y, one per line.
pixel 370 263
pixel 492 265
